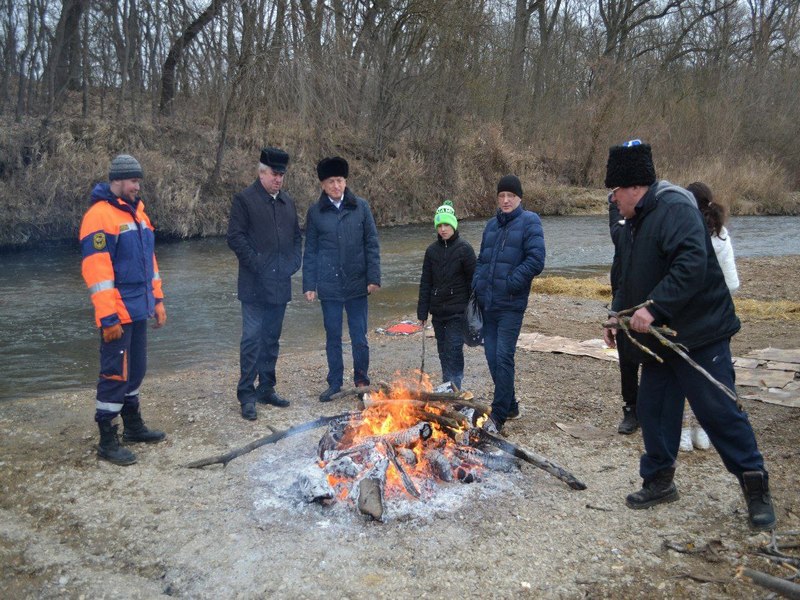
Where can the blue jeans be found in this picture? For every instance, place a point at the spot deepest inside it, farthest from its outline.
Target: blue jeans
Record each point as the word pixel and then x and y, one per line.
pixel 356 309
pixel 123 364
pixel 660 410
pixel 450 345
pixel 258 350
pixel 500 333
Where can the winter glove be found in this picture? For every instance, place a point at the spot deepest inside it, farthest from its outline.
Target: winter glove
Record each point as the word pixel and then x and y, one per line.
pixel 161 315
pixel 112 333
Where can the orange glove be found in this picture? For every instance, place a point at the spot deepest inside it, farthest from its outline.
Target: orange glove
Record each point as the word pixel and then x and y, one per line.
pixel 112 333
pixel 161 315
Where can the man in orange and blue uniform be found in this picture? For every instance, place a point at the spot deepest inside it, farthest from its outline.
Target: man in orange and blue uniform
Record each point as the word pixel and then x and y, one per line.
pixel 120 269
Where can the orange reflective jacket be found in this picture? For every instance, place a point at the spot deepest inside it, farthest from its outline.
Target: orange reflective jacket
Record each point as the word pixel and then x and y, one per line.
pixel 119 265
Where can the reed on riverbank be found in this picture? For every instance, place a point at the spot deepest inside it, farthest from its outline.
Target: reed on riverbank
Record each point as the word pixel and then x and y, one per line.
pixel 46 174
pixel 594 288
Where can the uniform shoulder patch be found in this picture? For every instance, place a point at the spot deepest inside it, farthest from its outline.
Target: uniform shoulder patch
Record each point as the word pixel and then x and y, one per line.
pixel 99 241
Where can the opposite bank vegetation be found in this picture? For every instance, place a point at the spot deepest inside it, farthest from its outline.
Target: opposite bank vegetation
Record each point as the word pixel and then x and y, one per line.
pixel 47 170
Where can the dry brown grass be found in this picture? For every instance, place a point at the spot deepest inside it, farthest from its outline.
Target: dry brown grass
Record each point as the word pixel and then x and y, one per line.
pixel 591 288
pixel 594 289
pixel 46 174
pixel 782 310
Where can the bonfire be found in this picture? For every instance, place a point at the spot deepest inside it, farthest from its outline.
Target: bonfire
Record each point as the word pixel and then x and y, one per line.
pixel 406 440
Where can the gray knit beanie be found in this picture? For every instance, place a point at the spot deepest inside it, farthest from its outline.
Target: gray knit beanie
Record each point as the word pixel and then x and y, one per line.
pixel 125 166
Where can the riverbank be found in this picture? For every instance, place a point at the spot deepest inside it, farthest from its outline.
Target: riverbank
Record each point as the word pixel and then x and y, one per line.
pixel 73 526
pixel 47 171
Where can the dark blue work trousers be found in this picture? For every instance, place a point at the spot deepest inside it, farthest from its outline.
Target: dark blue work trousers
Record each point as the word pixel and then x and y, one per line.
pixel 450 345
pixel 258 350
pixel 332 317
pixel 123 364
pixel 660 411
pixel 500 333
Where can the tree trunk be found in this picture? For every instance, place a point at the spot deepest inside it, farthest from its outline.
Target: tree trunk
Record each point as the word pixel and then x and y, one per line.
pixel 176 53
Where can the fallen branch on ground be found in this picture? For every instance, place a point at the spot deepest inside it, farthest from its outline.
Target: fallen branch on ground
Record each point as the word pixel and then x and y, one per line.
pixel 538 460
pixel 275 436
pixel 776 584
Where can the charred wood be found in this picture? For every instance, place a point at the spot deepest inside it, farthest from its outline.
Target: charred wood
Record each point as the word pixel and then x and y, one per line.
pixel 370 491
pixel 538 460
pixel 407 482
pixel 275 436
pixel 315 487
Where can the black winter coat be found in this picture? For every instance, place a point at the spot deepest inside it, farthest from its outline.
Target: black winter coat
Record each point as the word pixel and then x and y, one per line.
pixel 447 271
pixel 264 233
pixel 342 254
pixel 665 255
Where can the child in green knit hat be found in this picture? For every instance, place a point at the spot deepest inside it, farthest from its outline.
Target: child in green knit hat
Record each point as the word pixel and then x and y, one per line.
pixel 444 290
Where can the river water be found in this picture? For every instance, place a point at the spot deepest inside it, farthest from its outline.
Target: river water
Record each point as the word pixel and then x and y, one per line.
pixel 48 340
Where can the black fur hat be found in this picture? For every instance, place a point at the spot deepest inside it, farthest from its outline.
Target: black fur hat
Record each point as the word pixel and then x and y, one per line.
pixel 275 158
pixel 630 164
pixel 334 166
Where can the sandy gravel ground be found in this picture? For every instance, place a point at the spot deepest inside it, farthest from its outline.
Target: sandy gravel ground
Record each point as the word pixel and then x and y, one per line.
pixel 72 526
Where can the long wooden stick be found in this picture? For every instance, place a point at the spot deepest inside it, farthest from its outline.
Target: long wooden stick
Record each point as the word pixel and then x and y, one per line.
pixel 538 460
pixel 275 436
pixel 623 323
pixel 785 588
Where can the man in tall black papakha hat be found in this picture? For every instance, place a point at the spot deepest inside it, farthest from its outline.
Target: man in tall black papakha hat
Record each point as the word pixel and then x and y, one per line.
pixel 665 256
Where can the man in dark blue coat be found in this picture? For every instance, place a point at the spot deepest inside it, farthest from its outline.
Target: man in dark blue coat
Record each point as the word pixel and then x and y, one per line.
pixel 512 253
pixel 665 256
pixel 264 233
pixel 341 266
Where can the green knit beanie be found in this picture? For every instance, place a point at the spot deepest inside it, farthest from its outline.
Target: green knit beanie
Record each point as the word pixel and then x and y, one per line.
pixel 445 215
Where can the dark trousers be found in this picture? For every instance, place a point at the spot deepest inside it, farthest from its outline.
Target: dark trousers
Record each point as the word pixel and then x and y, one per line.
pixel 450 345
pixel 123 364
pixel 258 350
pixel 356 309
pixel 500 333
pixel 629 378
pixel 660 410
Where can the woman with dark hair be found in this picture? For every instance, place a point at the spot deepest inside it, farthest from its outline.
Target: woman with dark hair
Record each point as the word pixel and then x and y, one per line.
pixel 692 435
pixel 715 217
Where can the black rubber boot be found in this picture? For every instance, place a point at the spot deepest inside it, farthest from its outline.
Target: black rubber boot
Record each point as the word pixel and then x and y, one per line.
pixel 135 429
pixel 629 423
pixel 658 490
pixel 109 448
pixel 759 500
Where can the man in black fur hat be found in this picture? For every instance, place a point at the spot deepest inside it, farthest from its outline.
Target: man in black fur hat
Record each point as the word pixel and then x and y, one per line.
pixel 665 257
pixel 341 267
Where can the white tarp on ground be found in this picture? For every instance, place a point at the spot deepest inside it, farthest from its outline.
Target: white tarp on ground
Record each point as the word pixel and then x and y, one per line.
pixel 774 371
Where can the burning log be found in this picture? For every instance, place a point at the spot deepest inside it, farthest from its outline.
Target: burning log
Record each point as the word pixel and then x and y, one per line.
pixel 370 490
pixel 555 470
pixel 407 483
pixel 442 467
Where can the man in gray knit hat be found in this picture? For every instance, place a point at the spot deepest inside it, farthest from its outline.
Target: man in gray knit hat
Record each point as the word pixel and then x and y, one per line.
pixel 121 272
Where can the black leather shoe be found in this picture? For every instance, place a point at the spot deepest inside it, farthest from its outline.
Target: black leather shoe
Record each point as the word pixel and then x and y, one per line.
pixel 514 413
pixel 249 411
pixel 327 395
pixel 270 396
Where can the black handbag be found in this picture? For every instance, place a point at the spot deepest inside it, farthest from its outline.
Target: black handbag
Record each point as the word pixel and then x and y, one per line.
pixel 473 322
